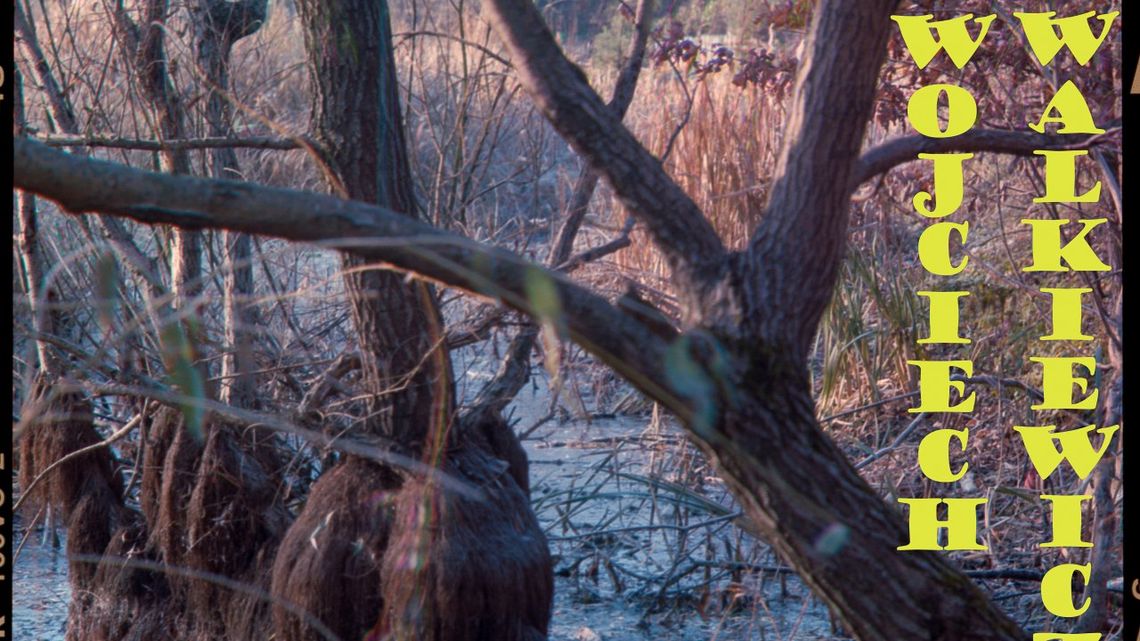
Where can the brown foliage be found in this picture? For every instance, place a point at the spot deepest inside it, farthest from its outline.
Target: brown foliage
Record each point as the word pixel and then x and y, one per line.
pixel 125 602
pixel 86 490
pixel 174 469
pixel 233 524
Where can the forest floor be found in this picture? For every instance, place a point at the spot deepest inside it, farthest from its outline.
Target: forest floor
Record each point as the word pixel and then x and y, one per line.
pixel 640 529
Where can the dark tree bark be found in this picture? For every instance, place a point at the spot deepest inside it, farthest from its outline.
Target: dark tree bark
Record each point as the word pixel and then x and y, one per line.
pixel 423 562
pixel 358 126
pixel 751 329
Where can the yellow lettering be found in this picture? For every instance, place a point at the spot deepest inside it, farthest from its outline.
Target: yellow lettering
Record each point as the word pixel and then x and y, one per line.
pixel 1076 34
pixel 1057 589
pixel 1067 314
pixel 944 316
pixel 947 185
pixel 1049 249
pixel 1073 446
pixel 934 248
pixel 1072 113
pixel 918 37
pixel 934 386
pixel 1061 178
pixel 922 111
pixel 961 524
pixel 1067 520
pixel 934 455
pixel 1057 382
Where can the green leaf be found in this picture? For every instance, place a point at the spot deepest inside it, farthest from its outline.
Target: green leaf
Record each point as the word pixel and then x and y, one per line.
pixel 178 357
pixel 833 539
pixel 189 380
pixel 689 378
pixel 107 290
pixel 543 296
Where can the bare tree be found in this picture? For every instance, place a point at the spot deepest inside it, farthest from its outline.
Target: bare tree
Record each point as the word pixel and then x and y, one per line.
pixel 218 25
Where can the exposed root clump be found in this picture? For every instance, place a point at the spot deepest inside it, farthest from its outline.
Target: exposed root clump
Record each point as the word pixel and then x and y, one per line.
pixel 59 423
pixel 376 553
pixel 466 565
pixel 175 467
pixel 127 602
pixel 233 520
pixel 85 490
pixel 158 432
pixel 489 430
pixel 329 561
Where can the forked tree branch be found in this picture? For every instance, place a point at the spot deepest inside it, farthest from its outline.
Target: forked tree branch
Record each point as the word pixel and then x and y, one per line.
pixel 83 185
pixel 562 92
pixel 514 371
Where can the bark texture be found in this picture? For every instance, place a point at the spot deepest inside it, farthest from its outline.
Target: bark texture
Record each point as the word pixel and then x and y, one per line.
pixel 419 561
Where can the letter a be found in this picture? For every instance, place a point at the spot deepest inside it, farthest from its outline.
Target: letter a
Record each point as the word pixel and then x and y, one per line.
pixel 918 36
pixel 1072 112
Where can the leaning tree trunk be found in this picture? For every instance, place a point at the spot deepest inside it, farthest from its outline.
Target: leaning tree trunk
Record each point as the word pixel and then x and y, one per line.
pixel 377 548
pixel 751 317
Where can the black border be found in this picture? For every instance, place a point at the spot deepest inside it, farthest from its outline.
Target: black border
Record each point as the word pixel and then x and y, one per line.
pixel 1130 55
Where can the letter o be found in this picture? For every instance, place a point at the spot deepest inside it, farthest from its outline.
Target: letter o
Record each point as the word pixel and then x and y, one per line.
pixel 922 111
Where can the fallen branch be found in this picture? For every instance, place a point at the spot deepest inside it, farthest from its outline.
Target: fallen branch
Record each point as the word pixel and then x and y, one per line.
pixel 257 142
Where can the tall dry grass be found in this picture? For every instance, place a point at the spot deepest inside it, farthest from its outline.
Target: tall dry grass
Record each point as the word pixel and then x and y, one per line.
pixel 721 142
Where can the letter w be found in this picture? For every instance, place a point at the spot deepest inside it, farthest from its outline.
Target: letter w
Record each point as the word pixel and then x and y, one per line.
pixel 1076 34
pixel 1072 445
pixel 918 36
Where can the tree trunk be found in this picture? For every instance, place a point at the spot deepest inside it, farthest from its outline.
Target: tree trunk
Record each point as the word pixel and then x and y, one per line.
pixel 41 297
pixel 737 376
pixel 425 561
pixel 218 25
pixel 812 506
